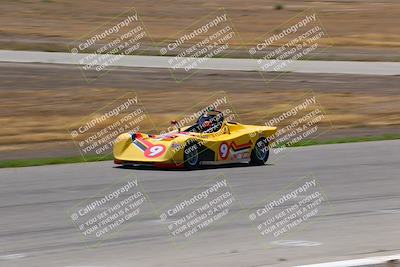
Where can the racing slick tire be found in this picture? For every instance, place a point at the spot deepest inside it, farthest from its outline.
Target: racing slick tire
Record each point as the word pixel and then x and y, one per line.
pixel 191 155
pixel 260 152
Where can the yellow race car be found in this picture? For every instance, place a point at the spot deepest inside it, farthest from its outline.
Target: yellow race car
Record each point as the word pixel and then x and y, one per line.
pixel 211 140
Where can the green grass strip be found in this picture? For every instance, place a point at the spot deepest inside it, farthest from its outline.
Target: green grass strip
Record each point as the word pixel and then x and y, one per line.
pixel 50 161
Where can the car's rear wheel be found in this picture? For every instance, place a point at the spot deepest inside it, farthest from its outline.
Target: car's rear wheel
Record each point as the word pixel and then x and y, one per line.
pixel 191 155
pixel 260 152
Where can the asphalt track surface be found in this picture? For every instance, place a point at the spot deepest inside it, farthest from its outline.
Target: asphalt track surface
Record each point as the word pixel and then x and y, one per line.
pixel 360 180
pixel 300 66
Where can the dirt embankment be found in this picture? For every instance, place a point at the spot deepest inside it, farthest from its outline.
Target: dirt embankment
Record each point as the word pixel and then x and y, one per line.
pixel 358 30
pixel 39 102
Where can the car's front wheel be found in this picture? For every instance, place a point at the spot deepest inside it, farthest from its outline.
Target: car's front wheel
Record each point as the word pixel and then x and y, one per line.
pixel 191 155
pixel 260 152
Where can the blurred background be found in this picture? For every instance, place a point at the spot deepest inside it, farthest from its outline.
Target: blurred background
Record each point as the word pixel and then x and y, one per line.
pixel 40 101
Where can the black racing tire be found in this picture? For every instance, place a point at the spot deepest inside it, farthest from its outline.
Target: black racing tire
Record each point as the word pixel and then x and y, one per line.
pixel 191 155
pixel 260 152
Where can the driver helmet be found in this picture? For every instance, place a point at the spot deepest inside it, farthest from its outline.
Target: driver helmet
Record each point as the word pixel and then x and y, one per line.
pixel 206 121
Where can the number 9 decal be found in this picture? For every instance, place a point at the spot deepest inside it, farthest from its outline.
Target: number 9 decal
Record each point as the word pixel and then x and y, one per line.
pixel 154 151
pixel 223 151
